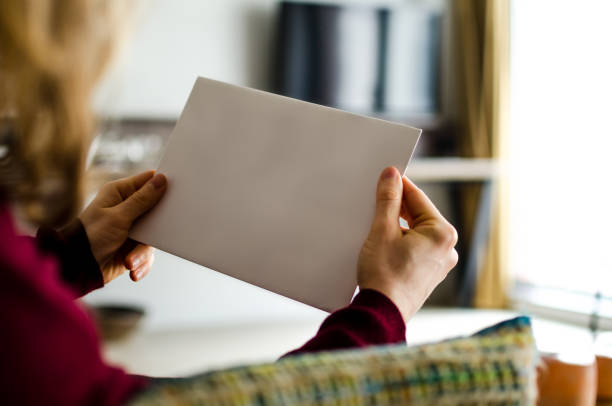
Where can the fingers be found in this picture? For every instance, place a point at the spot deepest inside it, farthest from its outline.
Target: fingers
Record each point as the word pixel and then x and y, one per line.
pixel 139 261
pixel 127 186
pixel 416 206
pixel 137 256
pixel 453 259
pixel 144 198
pixel 143 270
pixel 418 210
pixel 388 203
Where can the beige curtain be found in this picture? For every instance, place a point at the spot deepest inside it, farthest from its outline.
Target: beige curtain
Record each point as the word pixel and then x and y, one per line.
pixel 483 30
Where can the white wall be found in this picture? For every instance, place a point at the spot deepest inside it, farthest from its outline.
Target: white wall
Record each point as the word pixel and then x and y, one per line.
pixel 171 43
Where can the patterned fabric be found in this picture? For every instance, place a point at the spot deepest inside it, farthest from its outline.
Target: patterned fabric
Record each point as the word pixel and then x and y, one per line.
pixel 496 366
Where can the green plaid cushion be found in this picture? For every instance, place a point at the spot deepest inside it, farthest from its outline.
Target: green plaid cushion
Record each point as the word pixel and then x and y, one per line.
pixel 496 366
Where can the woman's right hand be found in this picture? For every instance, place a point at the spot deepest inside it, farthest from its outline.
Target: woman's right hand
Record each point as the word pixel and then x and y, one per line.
pixel 406 264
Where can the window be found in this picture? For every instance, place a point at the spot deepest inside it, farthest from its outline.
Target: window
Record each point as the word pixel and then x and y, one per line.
pixel 560 167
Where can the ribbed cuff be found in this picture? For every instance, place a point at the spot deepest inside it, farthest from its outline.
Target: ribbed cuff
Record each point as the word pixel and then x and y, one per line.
pixel 386 308
pixel 79 268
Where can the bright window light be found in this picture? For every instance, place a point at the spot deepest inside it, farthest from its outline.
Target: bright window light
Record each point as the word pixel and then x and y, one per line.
pixel 560 165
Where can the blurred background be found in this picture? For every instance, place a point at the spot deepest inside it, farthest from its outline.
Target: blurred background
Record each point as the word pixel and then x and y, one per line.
pixel 513 97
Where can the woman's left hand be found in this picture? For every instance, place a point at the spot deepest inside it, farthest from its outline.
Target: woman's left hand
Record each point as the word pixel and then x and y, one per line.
pixel 109 217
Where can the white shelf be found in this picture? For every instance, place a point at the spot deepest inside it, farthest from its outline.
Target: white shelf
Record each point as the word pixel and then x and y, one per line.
pixel 419 170
pixel 452 169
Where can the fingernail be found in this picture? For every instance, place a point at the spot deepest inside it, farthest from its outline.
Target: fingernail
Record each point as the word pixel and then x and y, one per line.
pixel 136 262
pixel 389 173
pixel 158 181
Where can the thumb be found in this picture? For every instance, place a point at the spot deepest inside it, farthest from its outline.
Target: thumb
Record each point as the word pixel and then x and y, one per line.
pixel 143 199
pixel 388 203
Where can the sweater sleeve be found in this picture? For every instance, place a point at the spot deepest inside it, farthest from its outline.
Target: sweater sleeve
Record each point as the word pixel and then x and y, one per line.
pixel 371 319
pixel 51 350
pixel 79 269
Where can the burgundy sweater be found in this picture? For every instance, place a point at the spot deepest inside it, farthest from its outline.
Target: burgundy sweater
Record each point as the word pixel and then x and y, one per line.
pixel 50 350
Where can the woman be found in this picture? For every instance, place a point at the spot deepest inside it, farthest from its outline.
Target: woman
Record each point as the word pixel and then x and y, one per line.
pixel 51 54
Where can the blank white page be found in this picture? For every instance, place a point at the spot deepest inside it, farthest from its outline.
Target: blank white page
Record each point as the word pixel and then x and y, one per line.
pixel 274 191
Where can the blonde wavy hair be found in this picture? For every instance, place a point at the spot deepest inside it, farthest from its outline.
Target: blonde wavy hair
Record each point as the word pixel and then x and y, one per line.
pixel 52 53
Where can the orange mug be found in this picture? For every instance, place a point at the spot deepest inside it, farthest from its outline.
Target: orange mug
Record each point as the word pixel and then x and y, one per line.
pixel 565 383
pixel 604 386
